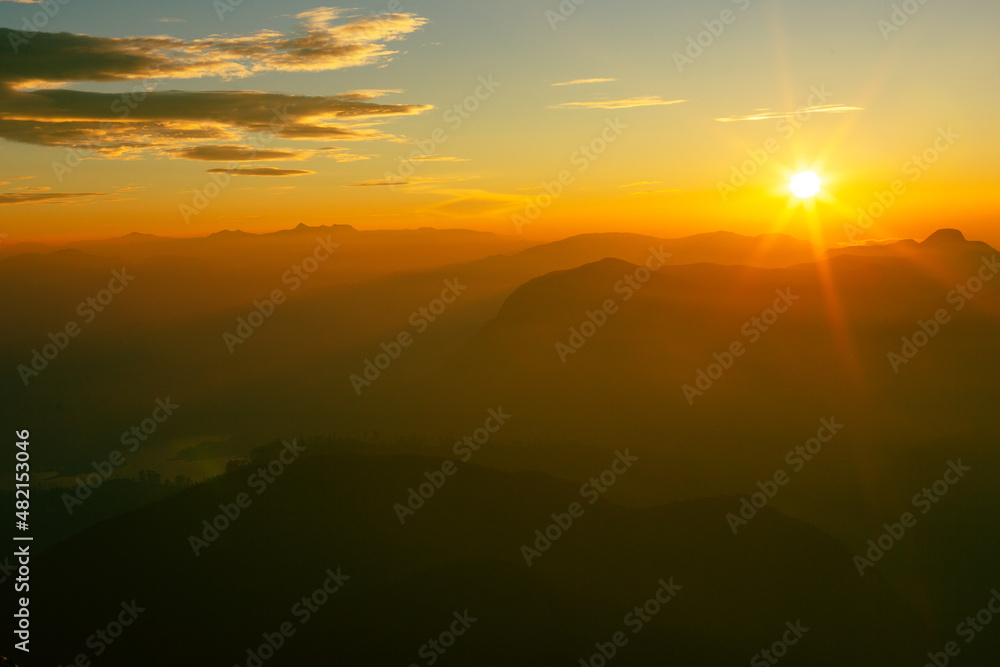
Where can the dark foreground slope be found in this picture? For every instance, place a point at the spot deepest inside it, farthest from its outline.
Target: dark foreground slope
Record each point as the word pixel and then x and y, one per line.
pixel 460 552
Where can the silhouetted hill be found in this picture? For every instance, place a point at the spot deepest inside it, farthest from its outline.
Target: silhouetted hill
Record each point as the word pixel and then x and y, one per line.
pixel 941 248
pixel 462 551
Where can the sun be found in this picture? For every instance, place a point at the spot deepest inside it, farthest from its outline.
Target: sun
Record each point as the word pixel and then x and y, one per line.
pixel 805 184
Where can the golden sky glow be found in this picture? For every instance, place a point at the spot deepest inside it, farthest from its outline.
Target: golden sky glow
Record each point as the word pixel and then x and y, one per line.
pixel 404 117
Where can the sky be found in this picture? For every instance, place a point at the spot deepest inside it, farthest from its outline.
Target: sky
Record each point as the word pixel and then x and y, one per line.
pixel 524 117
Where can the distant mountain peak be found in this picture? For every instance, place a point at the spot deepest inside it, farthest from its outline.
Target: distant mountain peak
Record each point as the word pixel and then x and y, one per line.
pixel 303 227
pixel 945 236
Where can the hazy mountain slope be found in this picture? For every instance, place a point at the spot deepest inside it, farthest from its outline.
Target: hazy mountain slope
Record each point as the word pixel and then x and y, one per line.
pixel 294 371
pixel 177 279
pixel 186 278
pixel 186 293
pixel 766 250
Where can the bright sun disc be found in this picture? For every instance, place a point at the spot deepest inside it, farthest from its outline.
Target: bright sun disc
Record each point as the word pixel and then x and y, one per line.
pixel 805 185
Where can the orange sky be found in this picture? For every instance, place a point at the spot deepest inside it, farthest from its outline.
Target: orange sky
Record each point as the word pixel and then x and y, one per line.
pixel 414 119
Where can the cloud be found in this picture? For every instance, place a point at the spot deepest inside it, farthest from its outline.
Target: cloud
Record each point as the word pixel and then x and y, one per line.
pixel 394 183
pixel 104 123
pixel 628 103
pixel 262 171
pixel 38 109
pixel 470 202
pixel 317 45
pixel 170 21
pixel 577 82
pixel 211 153
pixel 247 109
pixel 765 114
pixel 375 184
pixel 368 94
pixel 348 157
pixel 8 198
pixel 439 158
pixel 638 183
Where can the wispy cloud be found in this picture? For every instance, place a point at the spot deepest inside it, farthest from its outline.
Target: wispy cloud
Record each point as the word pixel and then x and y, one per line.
pixel 347 157
pixel 473 202
pixel 638 183
pixel 766 114
pixel 438 158
pixel 400 182
pixel 369 94
pixel 42 196
pixel 213 153
pixel 375 184
pixel 577 82
pixel 627 103
pixel 654 192
pixel 262 171
pixel 170 21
